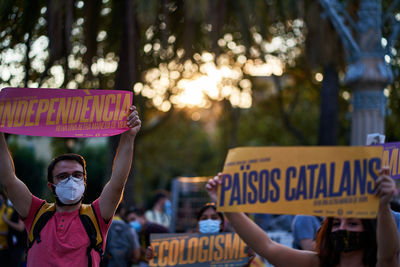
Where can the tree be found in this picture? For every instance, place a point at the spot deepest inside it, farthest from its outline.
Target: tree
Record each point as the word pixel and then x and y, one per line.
pixel 30 169
pixel 249 67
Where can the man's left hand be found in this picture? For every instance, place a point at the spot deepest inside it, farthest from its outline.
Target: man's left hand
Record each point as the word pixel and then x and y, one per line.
pixel 133 122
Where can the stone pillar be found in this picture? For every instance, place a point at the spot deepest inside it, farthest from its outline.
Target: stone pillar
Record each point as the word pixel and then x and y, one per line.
pixel 368 75
pixel 368 115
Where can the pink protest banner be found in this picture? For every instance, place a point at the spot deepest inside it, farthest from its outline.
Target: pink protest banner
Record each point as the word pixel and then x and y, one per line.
pixel 64 112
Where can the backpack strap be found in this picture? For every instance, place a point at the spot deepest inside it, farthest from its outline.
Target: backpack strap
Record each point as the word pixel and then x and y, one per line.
pixel 91 224
pixel 42 216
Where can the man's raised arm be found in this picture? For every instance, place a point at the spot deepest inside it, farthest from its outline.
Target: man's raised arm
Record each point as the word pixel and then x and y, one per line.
pixel 17 191
pixel 112 192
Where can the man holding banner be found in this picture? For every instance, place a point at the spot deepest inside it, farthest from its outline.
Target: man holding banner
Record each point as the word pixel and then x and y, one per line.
pixel 342 242
pixel 63 240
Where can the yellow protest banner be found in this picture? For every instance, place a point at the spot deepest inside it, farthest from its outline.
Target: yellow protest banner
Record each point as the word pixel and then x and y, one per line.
pixel 221 249
pixel 321 181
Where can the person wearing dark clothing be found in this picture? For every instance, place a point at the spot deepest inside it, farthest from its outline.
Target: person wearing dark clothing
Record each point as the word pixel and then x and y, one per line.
pixel 5 214
pixel 16 239
pixel 122 248
pixel 144 228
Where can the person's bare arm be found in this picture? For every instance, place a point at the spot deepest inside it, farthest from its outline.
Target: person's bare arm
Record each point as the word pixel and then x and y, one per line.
pixel 113 190
pixel 259 241
pixel 307 244
pixel 16 190
pixel 387 234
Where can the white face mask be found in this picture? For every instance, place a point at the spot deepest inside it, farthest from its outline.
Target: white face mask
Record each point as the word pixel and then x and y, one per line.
pixel 209 226
pixel 70 190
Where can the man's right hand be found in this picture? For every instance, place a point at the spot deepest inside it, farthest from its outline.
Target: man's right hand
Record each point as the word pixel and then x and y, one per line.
pixel 212 186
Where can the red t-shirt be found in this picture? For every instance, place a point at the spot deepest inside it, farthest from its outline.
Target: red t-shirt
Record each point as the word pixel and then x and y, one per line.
pixel 63 239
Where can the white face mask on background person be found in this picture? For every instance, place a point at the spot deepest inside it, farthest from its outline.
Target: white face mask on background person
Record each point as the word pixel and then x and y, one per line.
pixel 209 226
pixel 70 190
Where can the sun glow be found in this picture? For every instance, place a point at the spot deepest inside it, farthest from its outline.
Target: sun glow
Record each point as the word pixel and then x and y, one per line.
pixel 196 84
pixel 193 92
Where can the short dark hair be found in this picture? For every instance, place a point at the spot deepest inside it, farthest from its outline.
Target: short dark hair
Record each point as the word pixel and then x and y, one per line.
pixel 69 156
pixel 210 206
pixel 159 195
pixel 138 211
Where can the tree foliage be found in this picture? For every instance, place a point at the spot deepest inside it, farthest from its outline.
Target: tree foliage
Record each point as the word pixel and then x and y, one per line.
pixel 31 170
pixel 159 47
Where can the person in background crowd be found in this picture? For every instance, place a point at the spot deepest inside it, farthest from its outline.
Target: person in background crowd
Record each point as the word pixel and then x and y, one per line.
pixel 304 229
pixel 5 215
pixel 17 238
pixel 160 212
pixel 122 248
pixel 273 222
pixel 137 220
pixel 209 221
pixel 340 242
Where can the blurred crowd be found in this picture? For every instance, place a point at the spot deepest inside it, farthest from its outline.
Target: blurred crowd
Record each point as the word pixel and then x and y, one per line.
pixel 13 237
pixel 128 238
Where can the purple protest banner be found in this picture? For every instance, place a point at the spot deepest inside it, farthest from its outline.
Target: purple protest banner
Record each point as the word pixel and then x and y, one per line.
pixel 390 157
pixel 64 112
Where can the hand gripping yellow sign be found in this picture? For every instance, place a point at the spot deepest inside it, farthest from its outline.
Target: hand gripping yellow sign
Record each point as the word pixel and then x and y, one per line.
pixel 321 181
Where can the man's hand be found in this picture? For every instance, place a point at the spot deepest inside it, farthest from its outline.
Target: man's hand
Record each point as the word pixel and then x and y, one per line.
pixel 212 186
pixel 133 122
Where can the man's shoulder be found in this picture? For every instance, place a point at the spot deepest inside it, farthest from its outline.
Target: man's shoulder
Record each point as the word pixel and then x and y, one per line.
pixel 119 224
pixel 96 208
pixel 38 201
pixel 36 204
pixel 95 202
